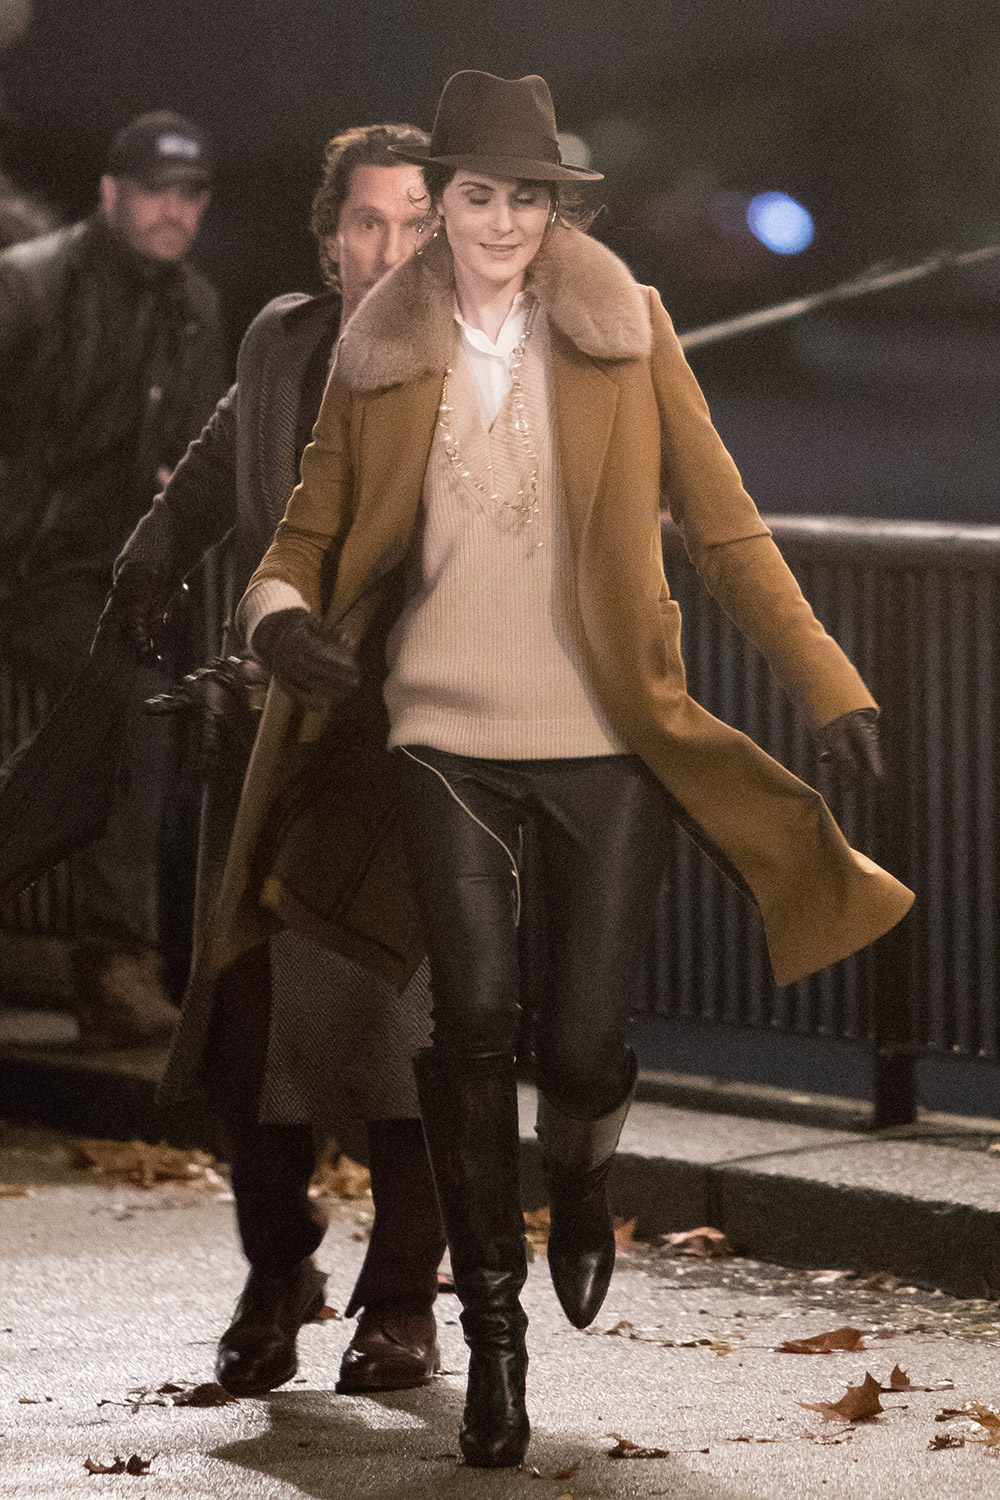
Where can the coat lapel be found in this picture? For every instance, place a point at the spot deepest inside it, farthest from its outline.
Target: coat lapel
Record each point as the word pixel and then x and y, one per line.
pixel 393 445
pixel 585 399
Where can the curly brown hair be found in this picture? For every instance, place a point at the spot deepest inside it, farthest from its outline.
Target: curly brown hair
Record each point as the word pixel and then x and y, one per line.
pixel 363 146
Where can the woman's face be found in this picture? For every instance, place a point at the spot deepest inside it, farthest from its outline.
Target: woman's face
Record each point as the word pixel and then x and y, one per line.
pixel 494 226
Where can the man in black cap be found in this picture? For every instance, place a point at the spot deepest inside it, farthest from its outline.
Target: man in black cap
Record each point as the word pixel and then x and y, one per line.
pixel 110 362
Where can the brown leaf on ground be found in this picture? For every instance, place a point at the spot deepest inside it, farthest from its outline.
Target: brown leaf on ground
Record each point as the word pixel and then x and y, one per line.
pixel 337 1176
pixel 559 1475
pixel 624 1448
pixel 133 1465
pixel 878 1281
pixel 858 1403
pixel 625 1239
pixel 849 1339
pixel 140 1164
pixel 327 1315
pixel 947 1440
pixel 985 1417
pixel 537 1223
pixel 208 1394
pixel 623 1329
pixel 900 1381
pixel 14 1190
pixel 706 1243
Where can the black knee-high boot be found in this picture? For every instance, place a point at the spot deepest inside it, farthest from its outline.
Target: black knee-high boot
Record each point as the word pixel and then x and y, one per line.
pixel 576 1159
pixel 469 1109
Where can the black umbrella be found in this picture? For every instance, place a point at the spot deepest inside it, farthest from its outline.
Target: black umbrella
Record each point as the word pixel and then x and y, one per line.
pixel 56 791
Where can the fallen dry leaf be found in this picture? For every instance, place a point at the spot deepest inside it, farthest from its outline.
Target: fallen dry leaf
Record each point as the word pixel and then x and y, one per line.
pixel 133 1465
pixel 559 1475
pixel 983 1416
pixel 170 1394
pixel 625 1236
pixel 622 1329
pixel 858 1403
pixel 338 1176
pixel 900 1381
pixel 947 1440
pixel 705 1243
pixel 849 1339
pixel 537 1224
pixel 208 1394
pixel 878 1281
pixel 624 1448
pixel 141 1165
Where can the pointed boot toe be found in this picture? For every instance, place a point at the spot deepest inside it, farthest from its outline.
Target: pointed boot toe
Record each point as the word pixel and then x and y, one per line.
pixel 581 1279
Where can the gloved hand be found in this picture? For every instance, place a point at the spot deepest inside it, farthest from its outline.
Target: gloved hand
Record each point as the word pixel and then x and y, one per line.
pixel 317 668
pixel 137 604
pixel 851 742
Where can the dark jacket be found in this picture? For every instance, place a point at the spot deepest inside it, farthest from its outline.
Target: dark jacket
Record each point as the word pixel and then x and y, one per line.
pixel 241 470
pixel 109 364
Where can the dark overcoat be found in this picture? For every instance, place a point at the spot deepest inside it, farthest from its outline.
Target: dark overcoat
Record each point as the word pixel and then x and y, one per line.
pixel 340 1045
pixel 316 843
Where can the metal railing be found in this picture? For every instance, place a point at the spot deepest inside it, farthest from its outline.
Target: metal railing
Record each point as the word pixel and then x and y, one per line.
pixel 916 606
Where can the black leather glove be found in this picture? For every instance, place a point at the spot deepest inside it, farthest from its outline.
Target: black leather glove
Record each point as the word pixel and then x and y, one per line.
pixel 852 743
pixel 317 668
pixel 137 604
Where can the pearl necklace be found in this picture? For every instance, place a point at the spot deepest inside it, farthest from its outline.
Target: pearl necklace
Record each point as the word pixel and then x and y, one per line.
pixel 523 508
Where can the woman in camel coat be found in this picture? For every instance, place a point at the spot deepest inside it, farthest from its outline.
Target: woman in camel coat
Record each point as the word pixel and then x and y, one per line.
pixel 380 589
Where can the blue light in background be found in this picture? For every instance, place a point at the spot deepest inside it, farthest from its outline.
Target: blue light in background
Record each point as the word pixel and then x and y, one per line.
pixel 780 223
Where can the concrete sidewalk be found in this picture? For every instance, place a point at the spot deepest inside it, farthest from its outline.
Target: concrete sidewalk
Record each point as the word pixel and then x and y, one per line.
pixel 922 1203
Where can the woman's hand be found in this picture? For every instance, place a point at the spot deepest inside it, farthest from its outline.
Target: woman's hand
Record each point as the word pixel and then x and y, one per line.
pixel 317 668
pixel 852 743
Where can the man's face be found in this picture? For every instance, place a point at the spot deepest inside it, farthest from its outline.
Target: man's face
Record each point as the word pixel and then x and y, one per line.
pixel 159 223
pixel 378 227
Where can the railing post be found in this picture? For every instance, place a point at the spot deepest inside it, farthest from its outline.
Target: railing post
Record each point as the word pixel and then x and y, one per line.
pixel 894 1083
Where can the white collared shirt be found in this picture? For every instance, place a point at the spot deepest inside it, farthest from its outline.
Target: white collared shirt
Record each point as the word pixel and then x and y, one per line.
pixel 489 362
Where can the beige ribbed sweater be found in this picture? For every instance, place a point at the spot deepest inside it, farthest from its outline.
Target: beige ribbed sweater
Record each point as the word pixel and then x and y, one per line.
pixel 485 659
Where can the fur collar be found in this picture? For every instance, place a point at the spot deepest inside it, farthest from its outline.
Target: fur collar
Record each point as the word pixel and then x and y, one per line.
pixel 405 325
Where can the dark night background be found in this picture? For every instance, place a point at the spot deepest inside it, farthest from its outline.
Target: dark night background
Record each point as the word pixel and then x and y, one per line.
pixel 882 117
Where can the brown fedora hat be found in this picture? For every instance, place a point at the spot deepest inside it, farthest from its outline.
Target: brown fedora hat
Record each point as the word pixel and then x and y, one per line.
pixel 505 127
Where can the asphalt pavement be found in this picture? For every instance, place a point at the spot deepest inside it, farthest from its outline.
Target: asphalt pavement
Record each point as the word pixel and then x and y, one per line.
pixel 111 1291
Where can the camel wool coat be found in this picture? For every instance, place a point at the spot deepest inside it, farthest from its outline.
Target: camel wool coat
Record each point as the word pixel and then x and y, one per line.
pixel 315 845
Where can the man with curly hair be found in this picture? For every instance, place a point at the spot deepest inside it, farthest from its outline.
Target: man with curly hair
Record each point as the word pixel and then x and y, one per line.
pixel 292 1032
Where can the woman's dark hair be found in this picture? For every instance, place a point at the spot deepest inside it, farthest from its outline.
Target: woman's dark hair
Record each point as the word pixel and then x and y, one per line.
pixel 566 197
pixel 365 146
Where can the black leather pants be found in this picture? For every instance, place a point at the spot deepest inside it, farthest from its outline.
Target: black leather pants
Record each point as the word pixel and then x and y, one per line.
pixel 599 828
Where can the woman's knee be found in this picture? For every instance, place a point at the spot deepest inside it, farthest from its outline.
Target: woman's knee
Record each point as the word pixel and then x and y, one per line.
pixel 582 1080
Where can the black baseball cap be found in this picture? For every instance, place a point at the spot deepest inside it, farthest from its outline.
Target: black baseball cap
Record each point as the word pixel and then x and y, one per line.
pixel 160 150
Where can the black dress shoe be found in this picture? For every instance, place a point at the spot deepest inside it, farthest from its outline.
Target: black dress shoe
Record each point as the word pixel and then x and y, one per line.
pixel 257 1350
pixel 394 1348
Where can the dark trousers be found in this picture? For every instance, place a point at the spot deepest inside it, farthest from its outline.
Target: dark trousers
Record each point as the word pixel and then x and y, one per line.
pixel 599 828
pixel 272 1164
pixel 45 635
